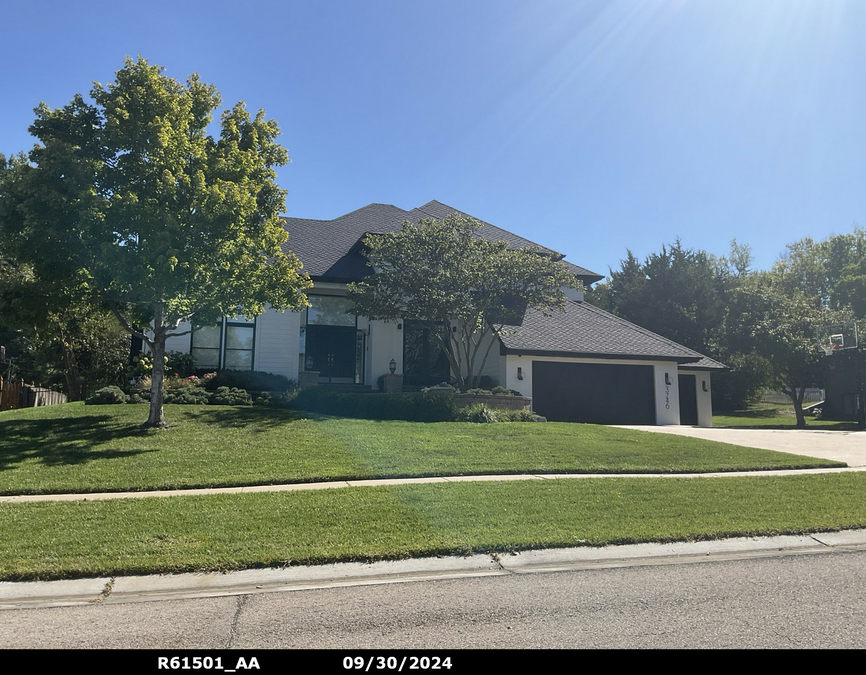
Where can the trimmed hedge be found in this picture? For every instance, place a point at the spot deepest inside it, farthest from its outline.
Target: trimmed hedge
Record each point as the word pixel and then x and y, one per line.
pixel 426 407
pixel 251 380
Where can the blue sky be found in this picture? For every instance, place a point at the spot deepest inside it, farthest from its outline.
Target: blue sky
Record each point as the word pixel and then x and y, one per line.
pixel 590 127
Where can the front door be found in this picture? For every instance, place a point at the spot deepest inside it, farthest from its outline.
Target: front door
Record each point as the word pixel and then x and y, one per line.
pixel 331 351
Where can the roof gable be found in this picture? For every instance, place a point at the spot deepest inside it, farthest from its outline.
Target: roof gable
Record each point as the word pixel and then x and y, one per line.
pixel 585 330
pixel 325 247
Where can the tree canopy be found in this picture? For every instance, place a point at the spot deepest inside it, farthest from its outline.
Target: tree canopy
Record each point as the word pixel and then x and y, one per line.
pixel 163 222
pixel 465 289
pixel 779 325
pixel 760 323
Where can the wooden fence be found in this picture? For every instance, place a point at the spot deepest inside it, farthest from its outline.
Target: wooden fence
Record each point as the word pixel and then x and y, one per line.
pixel 20 395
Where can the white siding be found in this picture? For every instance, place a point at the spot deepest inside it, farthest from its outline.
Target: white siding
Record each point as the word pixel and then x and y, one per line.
pixel 278 343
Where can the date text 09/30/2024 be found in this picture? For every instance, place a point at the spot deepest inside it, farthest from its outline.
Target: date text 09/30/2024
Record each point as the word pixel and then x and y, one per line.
pixel 350 663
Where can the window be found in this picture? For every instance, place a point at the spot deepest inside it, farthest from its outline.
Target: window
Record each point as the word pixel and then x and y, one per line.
pixel 206 343
pixel 228 345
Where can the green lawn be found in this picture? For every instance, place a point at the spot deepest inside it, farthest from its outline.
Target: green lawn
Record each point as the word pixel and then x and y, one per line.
pixel 52 540
pixel 77 448
pixel 775 416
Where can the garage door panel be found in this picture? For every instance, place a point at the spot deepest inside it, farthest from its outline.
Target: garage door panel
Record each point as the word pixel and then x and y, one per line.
pixel 597 393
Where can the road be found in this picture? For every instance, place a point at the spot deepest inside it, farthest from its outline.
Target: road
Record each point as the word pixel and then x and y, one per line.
pixel 815 600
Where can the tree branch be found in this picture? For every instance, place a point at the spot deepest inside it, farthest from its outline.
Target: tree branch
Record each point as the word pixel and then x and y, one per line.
pixel 128 327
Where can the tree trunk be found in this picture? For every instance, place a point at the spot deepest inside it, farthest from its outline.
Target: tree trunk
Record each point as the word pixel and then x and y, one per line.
pixel 796 395
pixel 156 419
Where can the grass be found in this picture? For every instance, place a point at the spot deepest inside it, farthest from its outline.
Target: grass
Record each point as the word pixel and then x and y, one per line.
pixel 52 540
pixel 775 416
pixel 77 448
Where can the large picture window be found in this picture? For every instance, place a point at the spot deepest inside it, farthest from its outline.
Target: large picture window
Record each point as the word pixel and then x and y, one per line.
pixel 229 344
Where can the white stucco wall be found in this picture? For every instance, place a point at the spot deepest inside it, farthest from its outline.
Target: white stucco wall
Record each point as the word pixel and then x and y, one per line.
pixel 510 373
pixel 667 395
pixel 705 398
pixel 384 342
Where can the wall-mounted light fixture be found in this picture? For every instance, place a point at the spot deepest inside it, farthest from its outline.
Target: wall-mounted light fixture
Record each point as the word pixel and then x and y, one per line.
pixel 668 379
pixel 399 326
pixel 704 385
pixel 519 373
pixel 392 366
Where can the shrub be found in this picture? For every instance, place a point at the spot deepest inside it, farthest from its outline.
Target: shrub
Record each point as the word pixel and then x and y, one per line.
pixel 107 396
pixel 427 407
pixel 264 399
pixel 139 397
pixel 175 381
pixel 180 363
pixel 231 396
pixel 255 380
pixel 188 396
pixel 502 391
pixel 478 412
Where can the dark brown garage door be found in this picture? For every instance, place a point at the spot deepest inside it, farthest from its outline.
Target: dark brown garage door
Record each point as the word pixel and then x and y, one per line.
pixel 593 392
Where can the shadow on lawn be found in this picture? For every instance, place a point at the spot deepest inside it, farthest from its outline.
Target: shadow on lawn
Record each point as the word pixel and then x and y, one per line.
pixel 64 441
pixel 251 418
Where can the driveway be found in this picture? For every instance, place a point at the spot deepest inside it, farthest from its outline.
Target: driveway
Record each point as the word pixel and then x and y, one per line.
pixel 842 446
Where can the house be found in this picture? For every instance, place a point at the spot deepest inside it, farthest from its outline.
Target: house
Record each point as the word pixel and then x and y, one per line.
pixel 584 365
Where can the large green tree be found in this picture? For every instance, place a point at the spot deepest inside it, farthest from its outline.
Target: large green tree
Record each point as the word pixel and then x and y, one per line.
pixel 465 289
pixel 165 223
pixel 60 335
pixel 778 322
pixel 678 293
pixel 832 271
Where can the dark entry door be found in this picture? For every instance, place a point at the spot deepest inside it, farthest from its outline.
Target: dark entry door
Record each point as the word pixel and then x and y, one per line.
pixel 688 400
pixel 593 392
pixel 331 350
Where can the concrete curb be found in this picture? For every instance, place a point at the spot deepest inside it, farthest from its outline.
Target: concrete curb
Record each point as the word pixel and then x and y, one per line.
pixel 104 590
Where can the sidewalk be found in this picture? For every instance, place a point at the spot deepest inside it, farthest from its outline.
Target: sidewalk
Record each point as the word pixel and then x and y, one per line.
pixel 331 485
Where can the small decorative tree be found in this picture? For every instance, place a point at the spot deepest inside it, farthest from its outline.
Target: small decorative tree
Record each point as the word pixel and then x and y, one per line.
pixel 465 289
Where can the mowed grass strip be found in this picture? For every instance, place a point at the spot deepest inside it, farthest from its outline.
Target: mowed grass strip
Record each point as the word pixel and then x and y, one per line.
pixel 52 540
pixel 77 448
pixel 776 416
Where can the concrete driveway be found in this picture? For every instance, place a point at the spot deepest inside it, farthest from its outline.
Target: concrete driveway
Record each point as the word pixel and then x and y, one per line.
pixel 842 446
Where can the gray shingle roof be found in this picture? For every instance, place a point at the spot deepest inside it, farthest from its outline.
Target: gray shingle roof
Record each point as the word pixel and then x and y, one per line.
pixel 584 330
pixel 328 248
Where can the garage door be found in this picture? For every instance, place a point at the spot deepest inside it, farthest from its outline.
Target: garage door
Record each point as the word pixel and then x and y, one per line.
pixel 593 392
pixel 688 399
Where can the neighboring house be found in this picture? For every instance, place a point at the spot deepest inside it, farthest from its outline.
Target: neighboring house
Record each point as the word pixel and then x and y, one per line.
pixel 584 365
